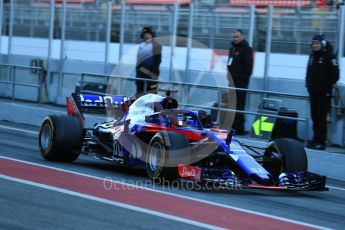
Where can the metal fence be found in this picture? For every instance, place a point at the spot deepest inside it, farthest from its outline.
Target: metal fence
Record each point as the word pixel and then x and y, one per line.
pixel 114 28
pixel 269 29
pixel 292 27
pixel 19 79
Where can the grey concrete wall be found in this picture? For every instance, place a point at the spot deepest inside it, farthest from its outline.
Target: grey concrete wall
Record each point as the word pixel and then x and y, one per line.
pixel 33 114
pixel 58 88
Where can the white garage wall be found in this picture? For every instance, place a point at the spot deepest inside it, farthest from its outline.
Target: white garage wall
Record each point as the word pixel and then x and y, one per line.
pixel 284 66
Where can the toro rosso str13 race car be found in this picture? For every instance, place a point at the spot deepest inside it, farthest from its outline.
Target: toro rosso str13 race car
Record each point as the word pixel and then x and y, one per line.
pixel 171 143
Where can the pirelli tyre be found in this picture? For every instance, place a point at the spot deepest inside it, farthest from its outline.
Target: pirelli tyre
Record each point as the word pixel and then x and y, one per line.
pixel 60 138
pixel 285 155
pixel 166 150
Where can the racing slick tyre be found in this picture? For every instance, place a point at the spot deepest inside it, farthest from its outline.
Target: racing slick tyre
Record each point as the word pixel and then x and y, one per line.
pixel 166 150
pixel 60 138
pixel 285 155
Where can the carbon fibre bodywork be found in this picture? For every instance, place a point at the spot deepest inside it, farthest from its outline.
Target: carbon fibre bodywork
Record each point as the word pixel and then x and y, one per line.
pixel 217 156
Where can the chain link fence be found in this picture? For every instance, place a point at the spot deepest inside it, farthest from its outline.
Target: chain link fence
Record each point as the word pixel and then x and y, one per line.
pixel 212 23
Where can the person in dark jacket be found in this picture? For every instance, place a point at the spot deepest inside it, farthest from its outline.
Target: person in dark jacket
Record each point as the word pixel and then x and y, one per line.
pixel 148 61
pixel 322 74
pixel 240 68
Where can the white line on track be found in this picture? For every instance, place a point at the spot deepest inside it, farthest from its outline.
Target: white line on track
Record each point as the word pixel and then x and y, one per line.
pixel 18 129
pixel 177 195
pixel 114 203
pixel 337 188
pixel 195 199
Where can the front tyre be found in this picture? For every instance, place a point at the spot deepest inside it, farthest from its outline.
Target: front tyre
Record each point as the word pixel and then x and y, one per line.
pixel 166 150
pixel 285 155
pixel 60 138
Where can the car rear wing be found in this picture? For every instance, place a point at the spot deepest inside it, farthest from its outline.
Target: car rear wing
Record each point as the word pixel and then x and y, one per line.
pixel 78 104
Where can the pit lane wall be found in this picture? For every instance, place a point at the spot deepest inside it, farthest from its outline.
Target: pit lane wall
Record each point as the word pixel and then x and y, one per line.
pixel 281 66
pixel 286 73
pixel 33 114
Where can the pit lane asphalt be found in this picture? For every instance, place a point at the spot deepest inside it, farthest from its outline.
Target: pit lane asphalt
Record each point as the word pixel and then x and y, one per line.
pixel 24 206
pixel 27 207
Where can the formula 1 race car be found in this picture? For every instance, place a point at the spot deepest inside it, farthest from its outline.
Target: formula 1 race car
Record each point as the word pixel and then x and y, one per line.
pixel 171 143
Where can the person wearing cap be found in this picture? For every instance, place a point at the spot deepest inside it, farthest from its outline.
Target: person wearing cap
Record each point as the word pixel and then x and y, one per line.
pixel 148 61
pixel 322 74
pixel 240 68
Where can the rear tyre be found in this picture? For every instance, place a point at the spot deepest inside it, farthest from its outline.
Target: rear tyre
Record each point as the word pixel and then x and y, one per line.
pixel 166 150
pixel 285 155
pixel 60 138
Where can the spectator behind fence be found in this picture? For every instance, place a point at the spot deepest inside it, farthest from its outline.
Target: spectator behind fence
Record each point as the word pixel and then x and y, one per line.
pixel 148 61
pixel 240 68
pixel 322 74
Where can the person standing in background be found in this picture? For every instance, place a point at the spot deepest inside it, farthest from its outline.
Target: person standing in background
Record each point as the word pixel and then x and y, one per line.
pixel 148 61
pixel 240 68
pixel 322 74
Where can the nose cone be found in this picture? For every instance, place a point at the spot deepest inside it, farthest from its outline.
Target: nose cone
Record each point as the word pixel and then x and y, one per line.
pixel 261 178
